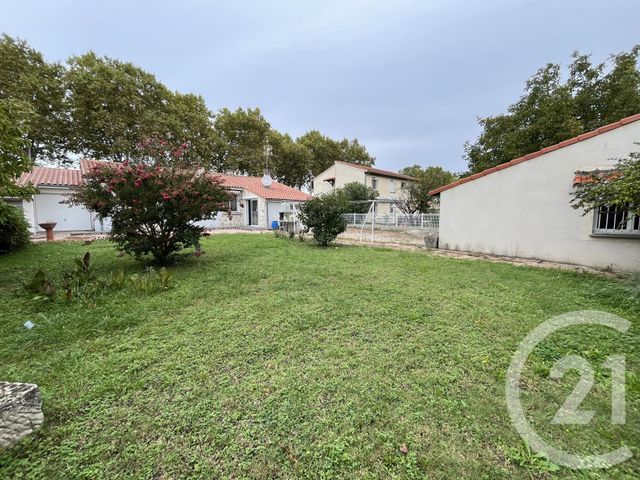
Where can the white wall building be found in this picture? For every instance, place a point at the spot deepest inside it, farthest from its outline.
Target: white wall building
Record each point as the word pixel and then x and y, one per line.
pixel 251 205
pixel 521 208
pixel 390 185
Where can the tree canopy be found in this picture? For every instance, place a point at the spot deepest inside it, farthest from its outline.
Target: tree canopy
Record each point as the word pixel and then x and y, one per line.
pixel 153 209
pixel 243 134
pixel 35 88
pixel 325 151
pixel 13 159
pixel 323 216
pixel 415 198
pixel 357 195
pixel 553 109
pixel 104 108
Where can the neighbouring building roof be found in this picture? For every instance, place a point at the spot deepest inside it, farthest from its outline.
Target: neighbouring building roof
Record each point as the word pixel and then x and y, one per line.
pixel 378 171
pixel 68 177
pixel 87 164
pixel 52 177
pixel 588 174
pixel 276 191
pixel 565 143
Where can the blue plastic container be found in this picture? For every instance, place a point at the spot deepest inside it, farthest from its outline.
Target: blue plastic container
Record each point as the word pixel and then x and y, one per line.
pixel 274 225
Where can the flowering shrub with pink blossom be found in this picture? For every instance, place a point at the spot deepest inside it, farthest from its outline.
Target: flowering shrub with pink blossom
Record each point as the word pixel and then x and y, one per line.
pixel 152 207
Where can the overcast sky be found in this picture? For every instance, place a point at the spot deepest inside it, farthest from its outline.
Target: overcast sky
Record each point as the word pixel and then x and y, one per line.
pixel 407 78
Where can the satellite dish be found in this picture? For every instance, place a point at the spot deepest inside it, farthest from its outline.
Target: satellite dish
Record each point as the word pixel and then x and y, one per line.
pixel 267 180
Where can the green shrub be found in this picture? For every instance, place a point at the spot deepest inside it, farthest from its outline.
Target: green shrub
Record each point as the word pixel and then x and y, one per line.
pixel 323 216
pixel 358 196
pixel 14 228
pixel 153 210
pixel 81 284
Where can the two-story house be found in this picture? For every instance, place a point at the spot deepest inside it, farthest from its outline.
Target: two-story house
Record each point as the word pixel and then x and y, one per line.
pixel 390 185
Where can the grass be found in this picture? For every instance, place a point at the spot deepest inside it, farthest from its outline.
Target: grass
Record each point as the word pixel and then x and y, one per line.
pixel 273 358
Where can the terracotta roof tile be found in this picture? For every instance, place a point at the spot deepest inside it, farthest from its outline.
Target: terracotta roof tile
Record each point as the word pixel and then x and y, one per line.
pixel 54 177
pixel 529 156
pixel 87 164
pixel 276 191
pixel 67 177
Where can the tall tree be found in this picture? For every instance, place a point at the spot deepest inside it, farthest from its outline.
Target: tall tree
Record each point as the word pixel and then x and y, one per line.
pixel 355 152
pixel 27 78
pixel 585 85
pixel 325 151
pixel 113 106
pixel 109 109
pixel 543 116
pixel 290 161
pixel 416 198
pixel 243 135
pixel 13 159
pixel 552 110
pixel 621 87
pixel 186 120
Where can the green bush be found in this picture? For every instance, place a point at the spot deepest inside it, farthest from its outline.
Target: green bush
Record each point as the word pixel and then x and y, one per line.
pixel 81 283
pixel 14 228
pixel 323 216
pixel 153 209
pixel 358 196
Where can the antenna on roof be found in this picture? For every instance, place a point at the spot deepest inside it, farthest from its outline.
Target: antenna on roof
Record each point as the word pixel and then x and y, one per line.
pixel 267 181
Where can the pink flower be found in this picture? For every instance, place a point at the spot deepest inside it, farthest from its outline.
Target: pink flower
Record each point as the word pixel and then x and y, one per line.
pixel 138 183
pixel 166 196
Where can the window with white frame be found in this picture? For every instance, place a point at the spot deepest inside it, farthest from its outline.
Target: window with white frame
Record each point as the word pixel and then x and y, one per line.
pixel 616 220
pixel 374 183
pixel 392 186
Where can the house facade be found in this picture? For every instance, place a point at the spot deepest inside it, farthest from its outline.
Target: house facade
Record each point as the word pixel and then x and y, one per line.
pixel 521 208
pixel 251 204
pixel 254 205
pixel 390 185
pixel 54 186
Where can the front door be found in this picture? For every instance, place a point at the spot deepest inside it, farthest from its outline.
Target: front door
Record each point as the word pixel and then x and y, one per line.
pixel 253 212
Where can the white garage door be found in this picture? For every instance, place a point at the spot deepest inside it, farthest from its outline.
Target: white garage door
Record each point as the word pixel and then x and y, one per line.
pixel 49 209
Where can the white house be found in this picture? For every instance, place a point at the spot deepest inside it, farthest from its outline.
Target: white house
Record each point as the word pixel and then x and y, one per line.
pixel 252 204
pixel 390 185
pixel 255 205
pixel 55 185
pixel 521 208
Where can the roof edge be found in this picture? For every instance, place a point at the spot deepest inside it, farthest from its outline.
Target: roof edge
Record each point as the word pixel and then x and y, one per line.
pixel 376 171
pixel 543 151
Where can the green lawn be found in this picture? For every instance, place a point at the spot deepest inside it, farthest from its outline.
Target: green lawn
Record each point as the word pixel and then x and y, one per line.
pixel 273 358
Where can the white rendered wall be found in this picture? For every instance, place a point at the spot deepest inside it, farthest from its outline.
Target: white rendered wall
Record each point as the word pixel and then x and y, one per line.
pixel 524 210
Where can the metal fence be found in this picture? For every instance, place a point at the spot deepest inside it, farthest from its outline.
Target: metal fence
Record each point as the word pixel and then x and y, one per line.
pixel 427 221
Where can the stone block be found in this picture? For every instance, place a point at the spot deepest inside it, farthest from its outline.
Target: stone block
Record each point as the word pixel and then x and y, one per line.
pixel 20 412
